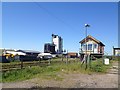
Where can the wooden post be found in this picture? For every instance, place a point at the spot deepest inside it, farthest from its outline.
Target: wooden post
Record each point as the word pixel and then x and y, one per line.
pixel 113 51
pixel 90 61
pixel 49 61
pixel 9 67
pixel 83 60
pixel 62 56
pixel 103 58
pixel 21 64
pixel 39 61
pixel 67 57
pixel 86 62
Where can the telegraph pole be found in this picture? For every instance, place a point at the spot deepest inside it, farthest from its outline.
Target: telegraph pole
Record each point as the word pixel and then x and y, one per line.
pixel 86 56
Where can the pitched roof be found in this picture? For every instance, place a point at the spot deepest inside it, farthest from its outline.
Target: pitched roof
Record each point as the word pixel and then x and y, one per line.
pixel 94 39
pixel 28 51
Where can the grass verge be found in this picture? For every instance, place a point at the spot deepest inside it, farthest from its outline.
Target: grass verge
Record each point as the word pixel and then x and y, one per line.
pixel 53 71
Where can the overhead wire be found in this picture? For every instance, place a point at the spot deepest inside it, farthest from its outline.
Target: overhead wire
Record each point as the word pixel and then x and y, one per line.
pixel 54 16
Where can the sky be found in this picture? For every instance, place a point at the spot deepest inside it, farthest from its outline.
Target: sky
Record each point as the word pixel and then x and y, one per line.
pixel 29 25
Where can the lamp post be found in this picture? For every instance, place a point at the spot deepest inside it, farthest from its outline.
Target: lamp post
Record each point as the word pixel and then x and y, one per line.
pixel 86 25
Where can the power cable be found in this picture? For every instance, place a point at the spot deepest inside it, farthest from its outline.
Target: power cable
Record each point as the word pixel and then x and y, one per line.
pixel 51 14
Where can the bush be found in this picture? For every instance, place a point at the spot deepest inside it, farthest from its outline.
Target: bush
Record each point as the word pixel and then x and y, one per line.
pixel 98 66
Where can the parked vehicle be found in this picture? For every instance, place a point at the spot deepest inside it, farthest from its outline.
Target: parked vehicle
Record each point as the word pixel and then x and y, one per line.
pixel 44 56
pixel 3 59
pixel 26 58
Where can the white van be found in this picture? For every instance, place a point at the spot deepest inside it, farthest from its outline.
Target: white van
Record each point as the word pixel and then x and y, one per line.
pixel 44 56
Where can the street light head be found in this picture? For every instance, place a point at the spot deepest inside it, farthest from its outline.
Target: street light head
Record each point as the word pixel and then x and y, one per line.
pixel 87 25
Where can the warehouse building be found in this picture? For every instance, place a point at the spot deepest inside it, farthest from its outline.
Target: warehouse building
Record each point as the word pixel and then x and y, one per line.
pixel 49 48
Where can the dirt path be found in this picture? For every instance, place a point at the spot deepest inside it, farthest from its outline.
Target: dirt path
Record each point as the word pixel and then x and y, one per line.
pixel 109 80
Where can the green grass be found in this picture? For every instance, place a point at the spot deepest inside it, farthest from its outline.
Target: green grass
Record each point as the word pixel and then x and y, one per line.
pixel 0 76
pixel 53 71
pixel 98 66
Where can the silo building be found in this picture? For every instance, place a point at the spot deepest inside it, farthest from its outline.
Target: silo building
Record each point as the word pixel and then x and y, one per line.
pixel 58 42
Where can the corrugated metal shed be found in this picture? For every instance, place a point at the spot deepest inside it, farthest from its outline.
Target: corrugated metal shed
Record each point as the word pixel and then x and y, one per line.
pixel 28 51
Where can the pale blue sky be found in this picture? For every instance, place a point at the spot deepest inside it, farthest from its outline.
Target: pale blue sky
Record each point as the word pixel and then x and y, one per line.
pixel 30 25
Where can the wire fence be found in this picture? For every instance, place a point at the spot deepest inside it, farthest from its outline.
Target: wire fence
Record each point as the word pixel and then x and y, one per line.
pixel 42 63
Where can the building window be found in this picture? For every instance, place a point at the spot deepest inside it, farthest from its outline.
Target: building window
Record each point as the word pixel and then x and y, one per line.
pixel 95 46
pixel 83 47
pixel 89 46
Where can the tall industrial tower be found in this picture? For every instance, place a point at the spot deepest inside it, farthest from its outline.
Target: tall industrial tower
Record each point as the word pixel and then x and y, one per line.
pixel 58 41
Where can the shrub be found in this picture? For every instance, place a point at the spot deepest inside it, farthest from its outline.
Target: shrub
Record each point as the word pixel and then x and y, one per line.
pixel 98 66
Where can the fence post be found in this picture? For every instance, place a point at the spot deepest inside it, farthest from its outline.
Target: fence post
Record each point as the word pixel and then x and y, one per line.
pixel 103 57
pixel 49 61
pixel 62 56
pixel 9 66
pixel 86 62
pixel 90 61
pixel 67 58
pixel 39 61
pixel 83 60
pixel 21 63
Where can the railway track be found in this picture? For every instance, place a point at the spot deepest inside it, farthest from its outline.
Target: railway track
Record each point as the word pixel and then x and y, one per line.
pixel 16 66
pixel 10 67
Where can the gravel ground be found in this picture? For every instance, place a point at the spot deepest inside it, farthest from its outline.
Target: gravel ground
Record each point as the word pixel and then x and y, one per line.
pixel 109 80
